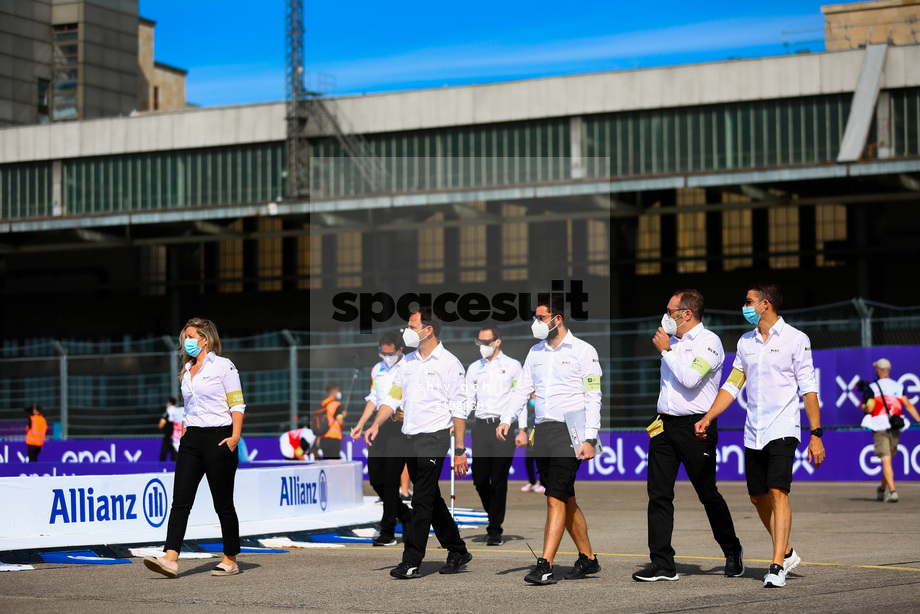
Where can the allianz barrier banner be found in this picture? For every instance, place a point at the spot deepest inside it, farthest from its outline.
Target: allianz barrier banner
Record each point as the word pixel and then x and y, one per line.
pixel 136 506
pixel 624 457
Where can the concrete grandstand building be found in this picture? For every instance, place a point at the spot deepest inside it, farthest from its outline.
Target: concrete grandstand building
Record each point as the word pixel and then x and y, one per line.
pixel 802 168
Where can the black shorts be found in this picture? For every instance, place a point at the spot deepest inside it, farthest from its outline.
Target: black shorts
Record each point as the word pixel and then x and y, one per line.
pixel 770 467
pixel 555 458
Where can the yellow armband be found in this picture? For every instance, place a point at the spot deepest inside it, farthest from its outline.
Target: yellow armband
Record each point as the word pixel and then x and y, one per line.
pixel 592 383
pixel 234 398
pixel 396 392
pixel 736 378
pixel 700 366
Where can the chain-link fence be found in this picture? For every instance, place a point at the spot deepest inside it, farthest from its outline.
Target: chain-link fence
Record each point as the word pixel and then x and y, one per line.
pixel 112 389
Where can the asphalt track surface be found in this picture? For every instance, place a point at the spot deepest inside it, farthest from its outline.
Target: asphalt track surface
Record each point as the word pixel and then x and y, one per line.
pixel 859 555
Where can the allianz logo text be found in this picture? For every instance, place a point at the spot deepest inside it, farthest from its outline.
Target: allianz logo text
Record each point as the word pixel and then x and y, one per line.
pixel 82 505
pixel 370 307
pixel 295 491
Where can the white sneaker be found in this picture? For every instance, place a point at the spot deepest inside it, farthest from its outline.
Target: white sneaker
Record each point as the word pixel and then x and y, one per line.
pixel 891 496
pixel 775 578
pixel 528 487
pixel 791 561
pixel 539 489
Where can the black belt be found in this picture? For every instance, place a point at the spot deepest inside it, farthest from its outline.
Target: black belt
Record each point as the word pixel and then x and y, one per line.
pixel 489 420
pixel 431 434
pixel 690 418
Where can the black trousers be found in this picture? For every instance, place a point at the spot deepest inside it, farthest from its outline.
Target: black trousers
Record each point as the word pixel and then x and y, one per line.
pixel 386 459
pixel 199 456
pixel 33 453
pixel 166 446
pixel 679 444
pixel 332 448
pixel 425 459
pixel 491 463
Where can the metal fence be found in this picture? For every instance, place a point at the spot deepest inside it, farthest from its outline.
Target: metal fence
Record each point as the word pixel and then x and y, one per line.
pixel 118 388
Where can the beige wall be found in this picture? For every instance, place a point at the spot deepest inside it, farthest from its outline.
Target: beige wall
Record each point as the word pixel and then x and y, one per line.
pixel 849 26
pixel 171 84
pixel 169 81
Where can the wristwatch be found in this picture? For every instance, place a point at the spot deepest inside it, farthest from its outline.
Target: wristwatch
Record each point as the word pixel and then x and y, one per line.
pixel 459 451
pixel 818 432
pixel 593 442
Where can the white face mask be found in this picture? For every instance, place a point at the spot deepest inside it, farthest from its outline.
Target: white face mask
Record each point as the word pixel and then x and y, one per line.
pixel 486 350
pixel 541 329
pixel 389 360
pixel 338 396
pixel 410 338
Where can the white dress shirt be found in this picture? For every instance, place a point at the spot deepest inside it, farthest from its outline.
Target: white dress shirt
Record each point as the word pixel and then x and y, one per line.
pixel 432 391
pixel 213 394
pixel 489 384
pixel 381 382
pixel 690 373
pixel 777 372
pixel 565 379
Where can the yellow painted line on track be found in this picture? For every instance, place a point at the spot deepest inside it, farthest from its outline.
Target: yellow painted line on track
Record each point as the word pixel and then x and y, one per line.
pixel 645 556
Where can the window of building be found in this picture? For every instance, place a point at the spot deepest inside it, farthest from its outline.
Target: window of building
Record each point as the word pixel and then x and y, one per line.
pixel 230 257
pixel 310 261
pixel 64 102
pixel 43 85
pixel 598 248
pixel 153 270
pixel 514 244
pixel 784 237
pixel 349 259
pixel 431 251
pixel 472 249
pixel 270 256
pixel 831 226
pixel 156 98
pixel 691 232
pixel 648 243
pixel 737 234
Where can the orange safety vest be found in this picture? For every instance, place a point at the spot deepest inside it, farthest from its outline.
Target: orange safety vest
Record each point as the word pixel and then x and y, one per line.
pixel 36 433
pixel 335 426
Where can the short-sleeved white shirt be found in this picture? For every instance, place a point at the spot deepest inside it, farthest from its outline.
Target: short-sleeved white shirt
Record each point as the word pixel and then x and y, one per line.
pixel 214 393
pixel 777 372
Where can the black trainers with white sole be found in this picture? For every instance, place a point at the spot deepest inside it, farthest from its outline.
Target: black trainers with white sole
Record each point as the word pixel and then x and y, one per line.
pixel 654 573
pixel 455 561
pixel 542 573
pixel 405 571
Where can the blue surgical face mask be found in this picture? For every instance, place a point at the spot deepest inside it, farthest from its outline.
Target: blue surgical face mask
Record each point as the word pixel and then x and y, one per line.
pixel 751 315
pixel 191 347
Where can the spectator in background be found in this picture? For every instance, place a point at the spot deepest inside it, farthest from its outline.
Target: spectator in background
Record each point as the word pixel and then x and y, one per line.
pixel 296 444
pixel 884 412
pixel 35 433
pixel 330 442
pixel 171 425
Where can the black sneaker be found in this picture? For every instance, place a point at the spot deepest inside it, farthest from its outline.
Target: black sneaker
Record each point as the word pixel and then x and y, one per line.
pixel 385 540
pixel 734 564
pixel 494 540
pixel 542 573
pixel 654 572
pixel 405 571
pixel 583 566
pixel 455 561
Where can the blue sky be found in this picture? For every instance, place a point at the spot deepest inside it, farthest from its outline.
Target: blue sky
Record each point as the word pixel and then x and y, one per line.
pixel 235 53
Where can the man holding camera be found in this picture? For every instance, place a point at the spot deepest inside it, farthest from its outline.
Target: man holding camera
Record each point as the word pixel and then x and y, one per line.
pixel 883 403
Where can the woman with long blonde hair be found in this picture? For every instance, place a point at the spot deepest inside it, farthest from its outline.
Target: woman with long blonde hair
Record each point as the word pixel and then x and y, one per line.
pixel 212 427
